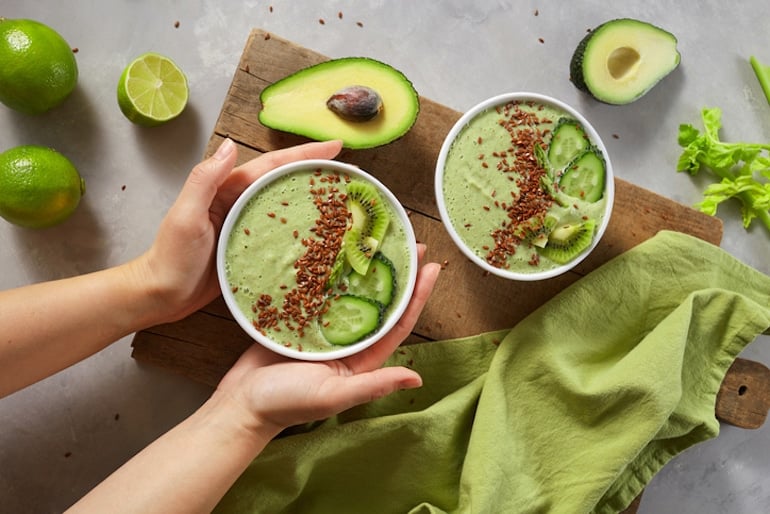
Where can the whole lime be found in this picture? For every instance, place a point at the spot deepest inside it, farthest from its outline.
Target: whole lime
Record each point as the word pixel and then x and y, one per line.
pixel 38 70
pixel 39 187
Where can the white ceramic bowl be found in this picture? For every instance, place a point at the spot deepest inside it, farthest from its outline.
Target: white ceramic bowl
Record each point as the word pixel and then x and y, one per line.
pixel 394 311
pixel 502 100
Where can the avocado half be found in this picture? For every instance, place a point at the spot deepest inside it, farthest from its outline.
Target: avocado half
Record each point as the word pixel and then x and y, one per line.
pixel 297 103
pixel 621 60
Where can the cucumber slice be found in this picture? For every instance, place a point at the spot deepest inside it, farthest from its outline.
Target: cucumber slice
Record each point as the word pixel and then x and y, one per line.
pixel 567 142
pixel 350 318
pixel 379 282
pixel 585 176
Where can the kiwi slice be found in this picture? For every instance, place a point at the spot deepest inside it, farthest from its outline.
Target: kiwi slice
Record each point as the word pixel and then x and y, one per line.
pixel 369 222
pixel 359 250
pixel 568 240
pixel 536 229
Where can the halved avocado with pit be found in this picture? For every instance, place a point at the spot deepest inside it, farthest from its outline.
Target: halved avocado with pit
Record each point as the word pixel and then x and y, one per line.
pixel 298 102
pixel 621 60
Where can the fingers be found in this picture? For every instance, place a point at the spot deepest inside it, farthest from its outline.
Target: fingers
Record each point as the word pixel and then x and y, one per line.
pixel 421 249
pixel 255 168
pixel 365 387
pixel 202 184
pixel 250 171
pixel 324 150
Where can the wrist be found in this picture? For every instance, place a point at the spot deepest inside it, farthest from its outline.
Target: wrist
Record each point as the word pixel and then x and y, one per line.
pixel 162 300
pixel 150 307
pixel 237 422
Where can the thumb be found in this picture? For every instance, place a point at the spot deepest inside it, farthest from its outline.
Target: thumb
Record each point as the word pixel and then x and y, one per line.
pixel 204 180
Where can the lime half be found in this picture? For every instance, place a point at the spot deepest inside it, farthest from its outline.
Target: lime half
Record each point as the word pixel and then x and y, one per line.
pixel 152 90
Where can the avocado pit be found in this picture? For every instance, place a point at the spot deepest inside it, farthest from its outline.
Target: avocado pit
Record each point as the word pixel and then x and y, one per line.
pixel 355 103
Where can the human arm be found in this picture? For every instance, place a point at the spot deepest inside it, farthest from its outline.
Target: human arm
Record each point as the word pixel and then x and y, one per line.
pixel 51 325
pixel 193 465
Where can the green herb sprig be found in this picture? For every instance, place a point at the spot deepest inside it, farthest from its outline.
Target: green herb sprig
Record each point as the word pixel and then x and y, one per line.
pixel 744 168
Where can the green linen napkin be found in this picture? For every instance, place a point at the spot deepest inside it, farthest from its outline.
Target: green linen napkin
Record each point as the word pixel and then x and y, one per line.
pixel 571 411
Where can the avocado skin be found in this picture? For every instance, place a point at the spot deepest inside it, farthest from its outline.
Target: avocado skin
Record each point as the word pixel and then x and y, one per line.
pixel 576 63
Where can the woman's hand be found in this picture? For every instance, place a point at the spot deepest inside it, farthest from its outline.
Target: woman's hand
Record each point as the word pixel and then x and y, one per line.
pixel 273 392
pixel 263 393
pixel 192 466
pixel 180 266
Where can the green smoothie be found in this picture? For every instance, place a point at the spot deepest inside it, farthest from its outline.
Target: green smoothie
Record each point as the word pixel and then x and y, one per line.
pixel 281 251
pixel 494 192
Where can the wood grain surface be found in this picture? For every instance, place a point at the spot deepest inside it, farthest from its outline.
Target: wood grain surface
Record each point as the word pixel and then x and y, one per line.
pixel 204 345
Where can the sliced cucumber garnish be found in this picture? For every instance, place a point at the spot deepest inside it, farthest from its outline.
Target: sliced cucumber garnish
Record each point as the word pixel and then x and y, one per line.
pixel 585 176
pixel 350 318
pixel 567 142
pixel 378 283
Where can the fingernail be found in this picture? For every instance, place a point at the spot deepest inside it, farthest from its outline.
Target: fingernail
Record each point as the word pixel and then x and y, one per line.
pixel 411 383
pixel 225 148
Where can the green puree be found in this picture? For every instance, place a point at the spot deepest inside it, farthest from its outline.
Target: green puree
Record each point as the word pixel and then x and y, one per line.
pixel 476 191
pixel 262 251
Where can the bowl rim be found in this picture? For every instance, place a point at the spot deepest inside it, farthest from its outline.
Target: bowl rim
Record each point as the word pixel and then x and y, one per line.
pixel 462 122
pixel 245 323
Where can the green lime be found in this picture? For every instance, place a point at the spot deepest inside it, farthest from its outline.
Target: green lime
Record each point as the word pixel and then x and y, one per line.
pixel 152 90
pixel 39 187
pixel 37 67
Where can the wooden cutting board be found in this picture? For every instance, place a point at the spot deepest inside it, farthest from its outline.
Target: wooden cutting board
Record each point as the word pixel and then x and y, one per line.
pixel 204 345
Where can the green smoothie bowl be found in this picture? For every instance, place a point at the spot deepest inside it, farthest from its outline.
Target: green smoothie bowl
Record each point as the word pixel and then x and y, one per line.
pixel 317 260
pixel 524 186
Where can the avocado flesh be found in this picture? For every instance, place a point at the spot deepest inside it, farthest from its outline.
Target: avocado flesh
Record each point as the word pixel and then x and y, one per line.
pixel 297 103
pixel 621 60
